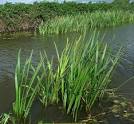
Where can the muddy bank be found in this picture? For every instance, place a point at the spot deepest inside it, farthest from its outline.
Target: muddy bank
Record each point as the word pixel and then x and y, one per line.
pixel 22 25
pixel 114 109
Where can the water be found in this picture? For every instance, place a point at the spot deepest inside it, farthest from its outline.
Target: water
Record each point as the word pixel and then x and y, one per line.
pixel 10 44
pixel 123 36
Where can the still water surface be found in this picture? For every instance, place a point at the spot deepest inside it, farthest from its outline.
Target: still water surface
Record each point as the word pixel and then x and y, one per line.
pixel 9 46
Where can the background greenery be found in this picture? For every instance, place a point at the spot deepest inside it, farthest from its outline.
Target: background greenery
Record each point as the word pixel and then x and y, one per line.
pixel 20 16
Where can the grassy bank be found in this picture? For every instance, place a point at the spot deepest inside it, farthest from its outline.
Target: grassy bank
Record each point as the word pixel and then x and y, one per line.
pixel 24 17
pixel 80 22
pixel 19 17
pixel 78 81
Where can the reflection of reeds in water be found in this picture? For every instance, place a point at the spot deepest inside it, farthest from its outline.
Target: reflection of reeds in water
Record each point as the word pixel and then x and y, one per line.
pixel 81 77
pixel 80 22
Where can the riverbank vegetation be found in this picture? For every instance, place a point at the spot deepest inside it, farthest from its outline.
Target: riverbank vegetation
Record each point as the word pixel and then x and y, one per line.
pixel 80 22
pixel 24 17
pixel 25 88
pixel 78 80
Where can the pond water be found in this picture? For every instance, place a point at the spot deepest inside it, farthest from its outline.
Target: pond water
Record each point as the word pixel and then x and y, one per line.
pixel 10 44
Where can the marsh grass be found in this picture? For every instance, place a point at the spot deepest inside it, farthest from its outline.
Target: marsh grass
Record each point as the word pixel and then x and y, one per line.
pixel 78 80
pixel 47 85
pixel 26 87
pixel 88 71
pixel 82 75
pixel 80 22
pixel 4 119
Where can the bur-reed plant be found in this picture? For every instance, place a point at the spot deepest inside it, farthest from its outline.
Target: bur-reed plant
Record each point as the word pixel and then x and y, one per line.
pixel 80 22
pixel 53 76
pixel 82 74
pixel 4 118
pixel 47 85
pixel 26 87
pixel 78 80
pixel 89 66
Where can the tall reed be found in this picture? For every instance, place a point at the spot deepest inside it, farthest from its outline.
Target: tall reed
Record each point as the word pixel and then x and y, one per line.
pixel 78 80
pixel 47 86
pixel 80 22
pixel 87 73
pixel 4 118
pixel 26 87
pixel 82 75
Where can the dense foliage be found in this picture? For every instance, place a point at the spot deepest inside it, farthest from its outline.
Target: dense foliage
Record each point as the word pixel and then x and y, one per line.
pixel 16 17
pixel 78 81
pixel 80 22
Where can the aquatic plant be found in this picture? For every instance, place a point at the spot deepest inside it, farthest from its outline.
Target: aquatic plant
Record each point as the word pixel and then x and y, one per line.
pixel 47 85
pixel 4 118
pixel 78 80
pixel 88 70
pixel 80 22
pixel 26 87
pixel 82 74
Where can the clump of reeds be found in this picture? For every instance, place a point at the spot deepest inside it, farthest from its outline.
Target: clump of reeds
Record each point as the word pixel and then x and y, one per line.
pixel 4 119
pixel 80 22
pixel 47 91
pixel 82 75
pixel 79 79
pixel 26 87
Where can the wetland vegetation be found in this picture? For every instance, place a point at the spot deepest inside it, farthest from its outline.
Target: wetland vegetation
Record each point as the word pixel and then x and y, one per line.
pixel 81 22
pixel 79 79
pixel 25 17
pixel 76 78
